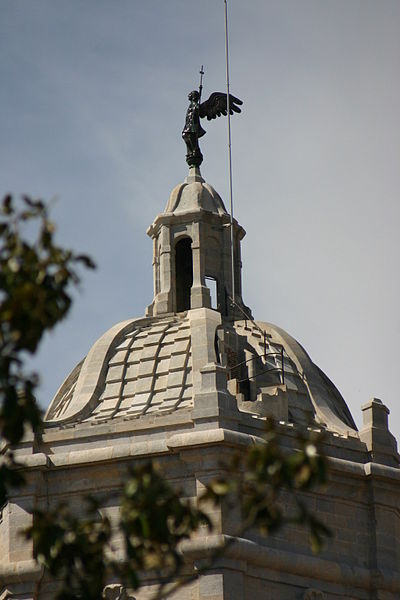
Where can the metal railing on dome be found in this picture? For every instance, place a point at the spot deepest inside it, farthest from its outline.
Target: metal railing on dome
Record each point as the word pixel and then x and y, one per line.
pixel 256 356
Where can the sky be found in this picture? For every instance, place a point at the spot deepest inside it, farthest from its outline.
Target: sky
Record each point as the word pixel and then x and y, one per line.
pixel 93 98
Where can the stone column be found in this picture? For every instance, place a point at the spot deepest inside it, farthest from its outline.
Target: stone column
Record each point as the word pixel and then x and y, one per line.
pixel 213 403
pixel 376 435
pixel 200 295
pixel 163 300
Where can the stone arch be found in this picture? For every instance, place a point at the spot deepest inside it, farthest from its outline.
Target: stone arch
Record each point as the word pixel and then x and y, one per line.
pixel 183 273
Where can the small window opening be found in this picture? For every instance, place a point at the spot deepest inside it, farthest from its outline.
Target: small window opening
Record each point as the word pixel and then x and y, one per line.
pixel 184 273
pixel 211 283
pixel 216 348
pixel 244 388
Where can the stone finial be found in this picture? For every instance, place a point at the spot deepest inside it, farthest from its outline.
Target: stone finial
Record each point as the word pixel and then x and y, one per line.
pixel 194 176
pixel 376 435
pixel 375 414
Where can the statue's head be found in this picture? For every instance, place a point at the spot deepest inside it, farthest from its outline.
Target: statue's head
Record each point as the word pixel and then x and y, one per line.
pixel 194 96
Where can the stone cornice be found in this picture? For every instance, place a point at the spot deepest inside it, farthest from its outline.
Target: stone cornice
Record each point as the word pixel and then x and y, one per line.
pixel 304 565
pixel 179 442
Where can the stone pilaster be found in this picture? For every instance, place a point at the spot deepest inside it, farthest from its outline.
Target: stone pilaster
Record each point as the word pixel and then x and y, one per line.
pixel 213 403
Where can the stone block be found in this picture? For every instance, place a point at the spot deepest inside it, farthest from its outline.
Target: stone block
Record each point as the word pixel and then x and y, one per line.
pixel 270 403
pixel 376 435
pixel 115 373
pixel 111 390
pixel 132 371
pixel 162 366
pixel 160 382
pixel 146 368
pixel 139 400
pixel 177 362
pixel 139 386
pixel 175 379
pixel 181 346
pixel 211 587
pixel 165 350
pixel 147 354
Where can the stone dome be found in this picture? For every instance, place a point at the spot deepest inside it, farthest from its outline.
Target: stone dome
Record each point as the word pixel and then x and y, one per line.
pixel 137 367
pixel 144 367
pixel 195 194
pixel 186 349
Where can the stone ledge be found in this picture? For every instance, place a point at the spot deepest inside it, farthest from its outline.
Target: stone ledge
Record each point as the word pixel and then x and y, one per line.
pixel 211 436
pixel 117 425
pixel 39 460
pixel 97 455
pixel 24 570
pixel 364 469
pixel 246 551
pixel 189 440
pixel 382 471
pixel 121 451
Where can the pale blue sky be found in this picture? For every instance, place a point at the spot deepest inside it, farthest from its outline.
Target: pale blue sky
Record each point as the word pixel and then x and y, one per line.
pixel 92 103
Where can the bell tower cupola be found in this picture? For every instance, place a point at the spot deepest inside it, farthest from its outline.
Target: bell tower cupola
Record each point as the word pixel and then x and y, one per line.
pixel 192 259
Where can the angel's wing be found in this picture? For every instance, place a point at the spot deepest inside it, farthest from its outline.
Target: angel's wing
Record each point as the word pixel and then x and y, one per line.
pixel 216 105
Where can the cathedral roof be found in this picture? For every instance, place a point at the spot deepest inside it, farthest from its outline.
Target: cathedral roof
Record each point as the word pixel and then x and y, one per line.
pixel 163 363
pixel 138 367
pixel 144 367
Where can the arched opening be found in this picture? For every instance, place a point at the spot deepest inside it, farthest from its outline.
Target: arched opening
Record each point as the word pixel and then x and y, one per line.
pixel 183 273
pixel 212 285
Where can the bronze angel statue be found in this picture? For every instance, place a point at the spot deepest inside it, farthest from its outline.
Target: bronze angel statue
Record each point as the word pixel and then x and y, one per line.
pixel 215 106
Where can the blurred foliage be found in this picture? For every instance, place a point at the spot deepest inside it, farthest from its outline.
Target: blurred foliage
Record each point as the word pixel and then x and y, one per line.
pixel 35 280
pixel 73 548
pixel 267 478
pixel 76 549
pixel 264 483
pixel 154 521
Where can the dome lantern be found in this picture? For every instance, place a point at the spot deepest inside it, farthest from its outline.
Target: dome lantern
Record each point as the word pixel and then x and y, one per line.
pixel 192 252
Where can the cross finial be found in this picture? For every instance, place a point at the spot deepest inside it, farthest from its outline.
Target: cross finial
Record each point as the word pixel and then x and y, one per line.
pixel 201 81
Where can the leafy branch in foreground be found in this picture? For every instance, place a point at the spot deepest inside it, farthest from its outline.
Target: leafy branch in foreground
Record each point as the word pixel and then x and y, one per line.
pixel 78 551
pixel 73 548
pixel 155 521
pixel 266 486
pixel 257 479
pixel 35 279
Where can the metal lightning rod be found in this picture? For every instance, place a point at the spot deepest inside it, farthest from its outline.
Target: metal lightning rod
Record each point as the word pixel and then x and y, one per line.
pixel 229 152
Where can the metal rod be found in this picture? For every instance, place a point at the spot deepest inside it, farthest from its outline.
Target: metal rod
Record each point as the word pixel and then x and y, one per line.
pixel 246 316
pixel 201 82
pixel 273 370
pixel 229 151
pixel 254 357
